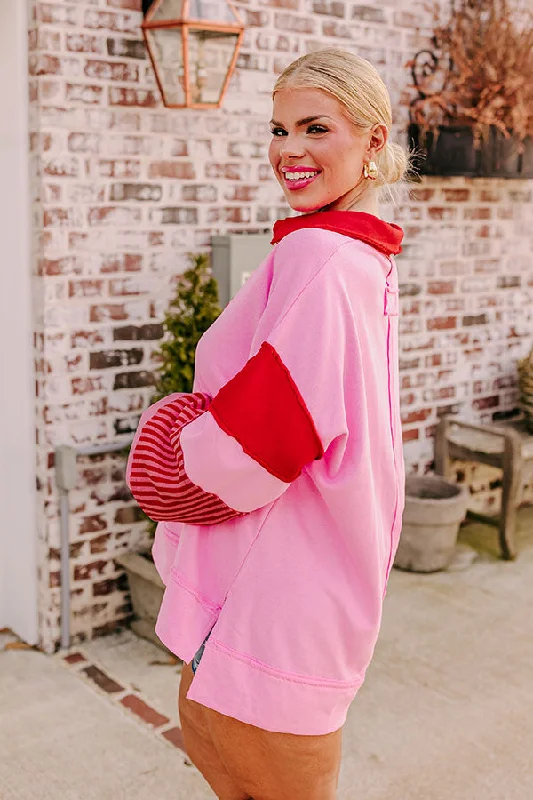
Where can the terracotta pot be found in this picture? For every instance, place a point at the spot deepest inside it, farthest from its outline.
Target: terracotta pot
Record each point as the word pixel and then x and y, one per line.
pixel 434 510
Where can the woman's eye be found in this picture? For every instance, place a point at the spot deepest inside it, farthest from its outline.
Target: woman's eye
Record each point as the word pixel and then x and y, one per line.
pixel 311 129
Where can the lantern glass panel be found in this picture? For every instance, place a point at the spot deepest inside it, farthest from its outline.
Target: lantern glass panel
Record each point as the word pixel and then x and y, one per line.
pixel 210 55
pixel 168 9
pixel 167 47
pixel 212 11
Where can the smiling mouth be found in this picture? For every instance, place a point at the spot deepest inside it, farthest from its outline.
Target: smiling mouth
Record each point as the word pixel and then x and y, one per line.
pixel 300 179
pixel 293 176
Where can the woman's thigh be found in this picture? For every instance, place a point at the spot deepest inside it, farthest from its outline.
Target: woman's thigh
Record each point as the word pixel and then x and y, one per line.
pixel 199 744
pixel 243 762
pixel 277 766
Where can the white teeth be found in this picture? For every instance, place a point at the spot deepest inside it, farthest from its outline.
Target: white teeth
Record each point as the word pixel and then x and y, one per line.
pixel 297 176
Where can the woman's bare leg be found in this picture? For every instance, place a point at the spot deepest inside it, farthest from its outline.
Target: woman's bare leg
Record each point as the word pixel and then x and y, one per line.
pixel 199 744
pixel 276 766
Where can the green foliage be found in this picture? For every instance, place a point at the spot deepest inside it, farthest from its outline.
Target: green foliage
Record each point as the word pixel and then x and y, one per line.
pixel 192 311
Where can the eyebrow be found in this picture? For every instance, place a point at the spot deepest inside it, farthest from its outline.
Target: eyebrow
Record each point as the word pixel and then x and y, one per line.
pixel 304 121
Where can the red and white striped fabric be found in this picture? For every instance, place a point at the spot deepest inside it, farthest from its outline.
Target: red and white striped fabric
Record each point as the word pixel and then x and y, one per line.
pixel 156 474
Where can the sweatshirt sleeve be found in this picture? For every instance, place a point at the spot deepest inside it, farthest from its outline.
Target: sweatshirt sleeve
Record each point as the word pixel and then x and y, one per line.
pixel 155 472
pixel 281 411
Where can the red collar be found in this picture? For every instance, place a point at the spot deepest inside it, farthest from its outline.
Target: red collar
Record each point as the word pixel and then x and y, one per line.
pixel 384 236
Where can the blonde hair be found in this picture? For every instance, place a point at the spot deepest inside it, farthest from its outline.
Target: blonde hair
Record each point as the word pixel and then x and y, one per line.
pixel 358 86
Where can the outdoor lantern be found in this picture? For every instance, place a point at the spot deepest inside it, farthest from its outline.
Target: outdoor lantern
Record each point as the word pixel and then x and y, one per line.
pixel 193 46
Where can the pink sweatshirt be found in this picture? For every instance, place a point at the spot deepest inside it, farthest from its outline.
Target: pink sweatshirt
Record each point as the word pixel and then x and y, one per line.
pixel 294 441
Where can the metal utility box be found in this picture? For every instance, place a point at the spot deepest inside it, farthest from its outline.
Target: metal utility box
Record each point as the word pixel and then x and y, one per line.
pixel 234 258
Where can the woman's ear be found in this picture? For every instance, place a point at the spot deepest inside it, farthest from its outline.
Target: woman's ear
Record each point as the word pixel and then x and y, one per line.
pixel 378 139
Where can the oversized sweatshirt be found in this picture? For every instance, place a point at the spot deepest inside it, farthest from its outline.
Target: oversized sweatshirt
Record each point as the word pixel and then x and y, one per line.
pixel 279 483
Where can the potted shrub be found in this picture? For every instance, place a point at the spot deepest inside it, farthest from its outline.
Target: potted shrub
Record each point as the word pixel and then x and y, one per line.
pixel 434 510
pixel 192 311
pixel 474 111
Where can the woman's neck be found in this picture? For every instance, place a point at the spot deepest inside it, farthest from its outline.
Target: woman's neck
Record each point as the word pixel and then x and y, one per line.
pixel 356 200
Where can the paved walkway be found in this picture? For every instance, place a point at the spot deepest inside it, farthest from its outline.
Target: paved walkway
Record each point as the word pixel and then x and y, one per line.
pixel 446 712
pixel 60 739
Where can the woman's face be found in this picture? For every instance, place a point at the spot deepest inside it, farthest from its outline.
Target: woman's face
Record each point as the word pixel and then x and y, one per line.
pixel 316 152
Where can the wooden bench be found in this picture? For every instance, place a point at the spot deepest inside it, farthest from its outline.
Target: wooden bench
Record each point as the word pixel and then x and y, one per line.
pixel 507 445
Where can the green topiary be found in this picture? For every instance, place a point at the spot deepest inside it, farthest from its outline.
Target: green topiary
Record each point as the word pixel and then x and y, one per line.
pixel 192 311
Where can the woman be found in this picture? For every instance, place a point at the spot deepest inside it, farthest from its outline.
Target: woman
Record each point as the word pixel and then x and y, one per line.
pixel 279 483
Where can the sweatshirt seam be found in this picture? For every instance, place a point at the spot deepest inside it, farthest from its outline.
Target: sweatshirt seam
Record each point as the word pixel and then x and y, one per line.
pixel 287 677
pixel 251 451
pixel 306 286
pixel 174 537
pixel 177 577
pixel 394 440
pixel 299 399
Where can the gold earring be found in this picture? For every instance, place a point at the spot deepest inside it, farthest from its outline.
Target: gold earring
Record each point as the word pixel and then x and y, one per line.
pixel 370 170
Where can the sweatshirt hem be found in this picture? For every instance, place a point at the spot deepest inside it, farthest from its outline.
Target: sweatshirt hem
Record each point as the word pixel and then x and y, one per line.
pixel 248 690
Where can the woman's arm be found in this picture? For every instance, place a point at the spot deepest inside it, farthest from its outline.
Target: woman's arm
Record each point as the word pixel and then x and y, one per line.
pixel 241 450
pixel 255 438
pixel 282 411
pixel 155 471
pixel 200 461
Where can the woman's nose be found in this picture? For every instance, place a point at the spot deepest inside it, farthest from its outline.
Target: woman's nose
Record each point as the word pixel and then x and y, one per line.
pixel 291 147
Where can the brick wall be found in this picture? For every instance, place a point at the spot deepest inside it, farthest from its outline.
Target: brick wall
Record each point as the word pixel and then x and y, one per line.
pixel 124 189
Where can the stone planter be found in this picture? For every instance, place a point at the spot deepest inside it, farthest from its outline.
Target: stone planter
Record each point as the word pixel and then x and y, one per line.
pixel 146 589
pixel 434 510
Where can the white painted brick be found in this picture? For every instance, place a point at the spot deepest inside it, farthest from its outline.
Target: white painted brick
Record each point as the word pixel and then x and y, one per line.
pixel 83 147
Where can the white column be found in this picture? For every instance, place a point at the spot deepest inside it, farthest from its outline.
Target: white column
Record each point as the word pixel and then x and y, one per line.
pixel 18 537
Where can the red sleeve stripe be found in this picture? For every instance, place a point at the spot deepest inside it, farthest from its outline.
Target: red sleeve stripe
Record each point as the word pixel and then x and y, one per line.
pixel 166 499
pixel 262 408
pixel 157 477
pixel 199 512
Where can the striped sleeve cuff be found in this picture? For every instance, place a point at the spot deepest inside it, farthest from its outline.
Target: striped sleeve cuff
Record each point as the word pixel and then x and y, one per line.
pixel 156 473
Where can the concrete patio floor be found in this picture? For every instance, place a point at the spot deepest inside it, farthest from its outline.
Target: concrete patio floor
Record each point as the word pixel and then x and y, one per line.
pixel 446 712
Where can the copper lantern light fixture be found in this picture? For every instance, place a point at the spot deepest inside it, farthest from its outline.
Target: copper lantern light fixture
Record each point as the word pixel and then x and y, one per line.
pixel 193 46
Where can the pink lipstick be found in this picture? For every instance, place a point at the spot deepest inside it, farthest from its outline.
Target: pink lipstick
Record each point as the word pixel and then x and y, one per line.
pixel 299 177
